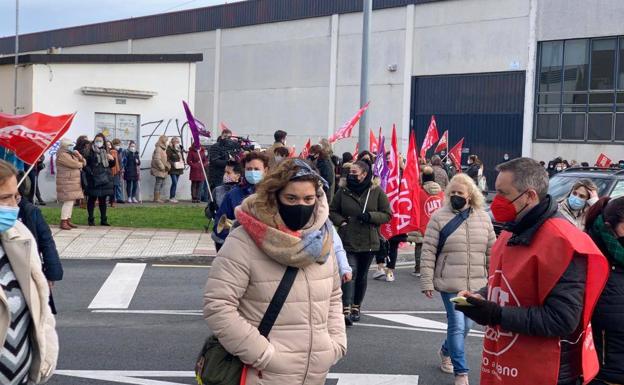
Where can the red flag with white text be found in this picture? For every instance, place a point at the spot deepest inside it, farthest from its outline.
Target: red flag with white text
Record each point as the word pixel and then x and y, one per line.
pixel 411 178
pixel 347 128
pixel 443 143
pixel 603 161
pixel 455 154
pixel 431 138
pixel 373 145
pixel 29 136
pixel 306 150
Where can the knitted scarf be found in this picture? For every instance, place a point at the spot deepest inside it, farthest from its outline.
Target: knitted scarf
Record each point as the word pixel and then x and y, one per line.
pixel 101 155
pixel 599 230
pixel 290 248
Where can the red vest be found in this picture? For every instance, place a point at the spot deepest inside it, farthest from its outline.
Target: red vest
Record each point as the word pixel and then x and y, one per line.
pixel 524 276
pixel 428 205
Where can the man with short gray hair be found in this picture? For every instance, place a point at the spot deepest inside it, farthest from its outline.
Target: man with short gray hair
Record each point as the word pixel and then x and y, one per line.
pixel 545 278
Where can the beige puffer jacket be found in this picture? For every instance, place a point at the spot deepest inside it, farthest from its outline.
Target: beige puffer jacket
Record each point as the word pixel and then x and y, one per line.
pixel 309 334
pixel 464 259
pixel 160 166
pixel 68 166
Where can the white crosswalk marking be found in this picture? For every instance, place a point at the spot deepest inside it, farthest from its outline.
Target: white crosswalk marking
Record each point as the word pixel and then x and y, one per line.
pixel 118 289
pixel 414 323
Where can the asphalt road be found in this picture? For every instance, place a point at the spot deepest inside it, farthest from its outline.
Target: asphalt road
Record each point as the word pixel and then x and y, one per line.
pixel 155 338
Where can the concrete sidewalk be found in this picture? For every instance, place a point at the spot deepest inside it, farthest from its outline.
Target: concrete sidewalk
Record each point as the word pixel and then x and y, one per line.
pixel 100 242
pixel 128 243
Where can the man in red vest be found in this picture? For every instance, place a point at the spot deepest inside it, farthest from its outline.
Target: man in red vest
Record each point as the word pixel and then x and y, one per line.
pixel 545 279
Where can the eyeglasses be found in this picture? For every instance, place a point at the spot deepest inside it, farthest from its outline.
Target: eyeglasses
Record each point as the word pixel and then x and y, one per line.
pixel 306 170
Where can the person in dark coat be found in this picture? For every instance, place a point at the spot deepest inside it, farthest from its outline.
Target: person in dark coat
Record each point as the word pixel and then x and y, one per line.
pixel 196 160
pixel 320 158
pixel 474 168
pixel 31 217
pixel 131 166
pixel 605 225
pixel 99 178
pixel 220 153
pixel 176 160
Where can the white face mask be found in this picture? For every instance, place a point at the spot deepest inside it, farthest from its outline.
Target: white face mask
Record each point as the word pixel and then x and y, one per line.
pixel 132 149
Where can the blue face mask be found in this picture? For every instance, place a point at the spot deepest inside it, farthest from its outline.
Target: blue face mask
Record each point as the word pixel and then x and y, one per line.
pixel 253 176
pixel 576 203
pixel 8 217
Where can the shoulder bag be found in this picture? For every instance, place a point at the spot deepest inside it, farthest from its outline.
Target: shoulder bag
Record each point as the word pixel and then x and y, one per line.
pixel 450 228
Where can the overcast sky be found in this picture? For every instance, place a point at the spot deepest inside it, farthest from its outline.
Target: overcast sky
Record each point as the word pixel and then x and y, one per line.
pixel 42 15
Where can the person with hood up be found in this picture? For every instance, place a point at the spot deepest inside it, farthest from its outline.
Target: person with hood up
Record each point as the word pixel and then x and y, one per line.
pixel 358 210
pixel 284 226
pixel 605 225
pixel 160 167
pixel 580 199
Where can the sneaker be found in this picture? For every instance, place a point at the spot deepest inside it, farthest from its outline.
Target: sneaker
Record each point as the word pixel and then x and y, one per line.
pixel 347 316
pixel 390 275
pixel 446 365
pixel 355 313
pixel 130 200
pixel 379 273
pixel 415 274
pixel 135 200
pixel 173 200
pixel 461 379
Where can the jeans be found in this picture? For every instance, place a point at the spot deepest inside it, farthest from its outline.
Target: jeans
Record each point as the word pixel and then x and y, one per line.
pixel 458 328
pixel 203 192
pixel 174 185
pixel 353 292
pixel 158 185
pixel 131 188
pixel 118 188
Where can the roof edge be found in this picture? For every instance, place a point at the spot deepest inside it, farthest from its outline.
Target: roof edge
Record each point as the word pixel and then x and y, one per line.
pixel 102 58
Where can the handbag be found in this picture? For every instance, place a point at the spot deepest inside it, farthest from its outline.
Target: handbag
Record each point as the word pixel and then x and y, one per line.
pixel 216 366
pixel 178 165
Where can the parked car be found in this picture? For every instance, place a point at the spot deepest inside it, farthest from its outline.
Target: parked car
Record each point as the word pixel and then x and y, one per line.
pixel 610 182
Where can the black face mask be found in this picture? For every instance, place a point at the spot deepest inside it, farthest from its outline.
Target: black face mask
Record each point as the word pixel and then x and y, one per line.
pixel 297 216
pixel 458 202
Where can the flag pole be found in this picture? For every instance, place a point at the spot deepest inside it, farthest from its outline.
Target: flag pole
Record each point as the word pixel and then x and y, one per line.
pixel 16 56
pixel 56 137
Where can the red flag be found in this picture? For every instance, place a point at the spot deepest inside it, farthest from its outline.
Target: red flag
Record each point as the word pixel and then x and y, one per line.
pixel 306 150
pixel 357 151
pixel 373 143
pixel 347 128
pixel 603 161
pixel 29 136
pixel 456 154
pixel 431 138
pixel 443 143
pixel 411 181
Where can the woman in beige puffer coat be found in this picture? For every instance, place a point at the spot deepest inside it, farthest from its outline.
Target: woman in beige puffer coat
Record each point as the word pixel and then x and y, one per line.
pixel 69 164
pixel 284 224
pixel 461 265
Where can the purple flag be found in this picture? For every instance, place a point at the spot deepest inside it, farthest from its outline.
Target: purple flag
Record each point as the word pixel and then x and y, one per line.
pixel 197 127
pixel 380 168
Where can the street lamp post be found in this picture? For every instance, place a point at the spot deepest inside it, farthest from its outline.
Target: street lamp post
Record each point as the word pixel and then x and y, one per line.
pixel 363 133
pixel 16 56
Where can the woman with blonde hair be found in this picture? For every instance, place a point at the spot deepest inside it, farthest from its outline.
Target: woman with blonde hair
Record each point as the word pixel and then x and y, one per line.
pixel 282 230
pixel 455 257
pixel 160 166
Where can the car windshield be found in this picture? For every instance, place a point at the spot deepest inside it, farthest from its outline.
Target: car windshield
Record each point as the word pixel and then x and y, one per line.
pixel 561 185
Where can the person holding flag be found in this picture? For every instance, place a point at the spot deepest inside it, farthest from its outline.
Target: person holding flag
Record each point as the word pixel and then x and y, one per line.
pixel 455 254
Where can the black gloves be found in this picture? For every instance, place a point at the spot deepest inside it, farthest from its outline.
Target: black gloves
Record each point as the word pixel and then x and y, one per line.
pixel 364 217
pixel 486 313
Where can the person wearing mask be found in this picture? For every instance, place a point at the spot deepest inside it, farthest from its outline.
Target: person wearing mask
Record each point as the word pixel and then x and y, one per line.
pixel 576 204
pixel 256 166
pixel 115 171
pixel 283 227
pixel 31 216
pixel 196 161
pixel 440 175
pixel 231 179
pixel 545 279
pixel 320 159
pixel 455 255
pixel 176 160
pixel 30 348
pixel 69 165
pixel 131 166
pixel 280 141
pixel 475 168
pixel 99 178
pixel 347 162
pixel 358 210
pixel 160 167
pixel 118 153
pixel 82 146
pixel 281 153
pixel 220 153
pixel 605 225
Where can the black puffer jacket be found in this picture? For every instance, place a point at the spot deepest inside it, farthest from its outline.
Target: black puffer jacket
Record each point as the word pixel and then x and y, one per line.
pixel 99 177
pixel 219 154
pixel 561 314
pixel 608 323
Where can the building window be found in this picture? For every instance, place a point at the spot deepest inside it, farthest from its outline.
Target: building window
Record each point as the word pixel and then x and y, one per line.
pixel 580 91
pixel 124 127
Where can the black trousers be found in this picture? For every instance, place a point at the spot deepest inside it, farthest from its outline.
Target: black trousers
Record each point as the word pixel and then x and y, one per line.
pixel 91 206
pixel 353 292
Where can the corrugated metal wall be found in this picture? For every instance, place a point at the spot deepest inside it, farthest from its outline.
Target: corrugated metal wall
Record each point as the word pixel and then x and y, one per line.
pixel 232 15
pixel 485 109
